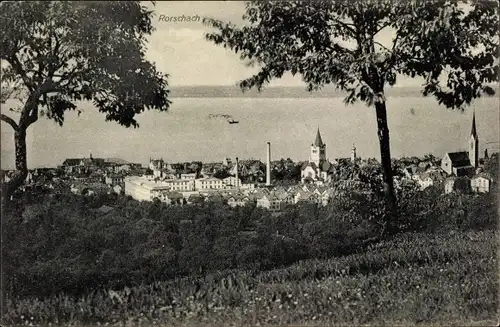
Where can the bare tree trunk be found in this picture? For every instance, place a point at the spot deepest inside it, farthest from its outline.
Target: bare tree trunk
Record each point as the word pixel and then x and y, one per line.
pixel 18 178
pixel 29 115
pixel 385 154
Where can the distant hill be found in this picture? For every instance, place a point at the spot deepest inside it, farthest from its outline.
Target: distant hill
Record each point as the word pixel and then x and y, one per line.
pixel 227 91
pixel 278 92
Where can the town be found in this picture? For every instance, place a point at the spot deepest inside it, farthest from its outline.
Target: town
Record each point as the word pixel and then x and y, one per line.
pixel 273 185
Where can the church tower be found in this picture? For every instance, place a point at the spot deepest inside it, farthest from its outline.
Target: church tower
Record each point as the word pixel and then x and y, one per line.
pixel 318 150
pixel 474 143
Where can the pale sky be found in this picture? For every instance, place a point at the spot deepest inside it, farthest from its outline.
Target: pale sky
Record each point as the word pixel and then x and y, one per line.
pixel 179 48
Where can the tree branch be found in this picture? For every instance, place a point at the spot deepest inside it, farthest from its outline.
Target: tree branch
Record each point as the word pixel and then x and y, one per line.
pixel 32 104
pixel 56 53
pixel 65 78
pixel 381 27
pixel 29 113
pixel 33 116
pixel 16 64
pixel 347 26
pixel 395 42
pixel 9 121
pixel 382 46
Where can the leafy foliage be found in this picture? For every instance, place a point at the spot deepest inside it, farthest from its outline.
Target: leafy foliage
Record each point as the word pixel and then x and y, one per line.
pixel 491 166
pixel 336 43
pixel 59 53
pixel 68 51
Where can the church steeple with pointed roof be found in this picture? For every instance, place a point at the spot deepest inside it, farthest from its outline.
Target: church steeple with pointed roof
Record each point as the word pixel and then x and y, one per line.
pixel 318 150
pixel 473 131
pixel 474 143
pixel 318 141
pixel 317 168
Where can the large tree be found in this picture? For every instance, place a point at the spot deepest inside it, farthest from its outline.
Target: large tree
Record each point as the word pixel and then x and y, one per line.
pixel 452 45
pixel 56 53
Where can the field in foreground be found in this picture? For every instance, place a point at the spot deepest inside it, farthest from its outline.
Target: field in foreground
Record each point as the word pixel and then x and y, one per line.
pixel 412 279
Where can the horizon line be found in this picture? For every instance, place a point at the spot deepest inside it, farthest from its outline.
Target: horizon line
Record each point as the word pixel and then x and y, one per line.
pixel 269 86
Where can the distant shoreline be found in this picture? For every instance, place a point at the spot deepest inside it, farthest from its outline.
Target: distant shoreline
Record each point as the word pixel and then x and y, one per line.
pixel 282 92
pixel 287 92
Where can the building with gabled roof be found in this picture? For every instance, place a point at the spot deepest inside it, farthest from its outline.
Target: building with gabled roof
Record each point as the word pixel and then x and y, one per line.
pixel 308 197
pixel 463 163
pixel 270 202
pixel 238 200
pixel 285 197
pixel 323 189
pixel 301 195
pixel 156 164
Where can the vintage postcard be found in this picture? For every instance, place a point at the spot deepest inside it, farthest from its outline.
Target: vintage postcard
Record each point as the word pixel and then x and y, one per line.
pixel 249 163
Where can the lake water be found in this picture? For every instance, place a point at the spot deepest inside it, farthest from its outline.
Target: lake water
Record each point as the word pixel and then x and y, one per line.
pixel 186 132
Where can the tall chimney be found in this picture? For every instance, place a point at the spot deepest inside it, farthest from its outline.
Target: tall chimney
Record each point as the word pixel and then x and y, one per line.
pixel 268 163
pixel 237 168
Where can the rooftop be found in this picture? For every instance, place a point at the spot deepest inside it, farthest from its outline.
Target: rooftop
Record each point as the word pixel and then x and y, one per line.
pixel 148 183
pixel 459 159
pixel 318 141
pixel 117 161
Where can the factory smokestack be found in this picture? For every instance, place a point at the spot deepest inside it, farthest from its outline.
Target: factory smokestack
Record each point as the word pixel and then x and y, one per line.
pixel 268 164
pixel 237 168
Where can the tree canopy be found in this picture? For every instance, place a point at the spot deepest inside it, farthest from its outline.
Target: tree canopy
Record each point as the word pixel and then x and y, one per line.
pixel 57 53
pixel 335 42
pixel 451 44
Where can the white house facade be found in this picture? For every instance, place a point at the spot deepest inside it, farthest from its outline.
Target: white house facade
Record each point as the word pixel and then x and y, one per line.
pixel 481 184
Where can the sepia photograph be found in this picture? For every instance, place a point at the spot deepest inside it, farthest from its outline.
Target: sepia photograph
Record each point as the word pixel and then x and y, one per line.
pixel 250 163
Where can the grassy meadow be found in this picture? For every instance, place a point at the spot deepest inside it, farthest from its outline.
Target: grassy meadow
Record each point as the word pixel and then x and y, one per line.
pixel 412 279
